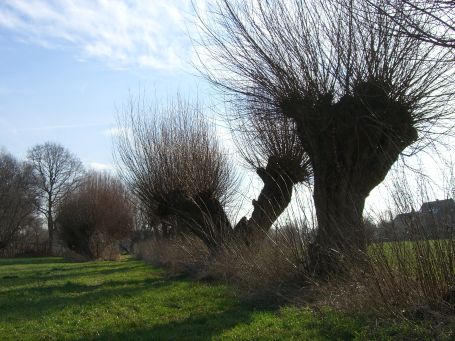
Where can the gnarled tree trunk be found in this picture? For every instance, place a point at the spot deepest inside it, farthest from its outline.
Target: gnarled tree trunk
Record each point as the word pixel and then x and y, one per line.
pixel 279 178
pixel 352 144
pixel 340 232
pixel 205 216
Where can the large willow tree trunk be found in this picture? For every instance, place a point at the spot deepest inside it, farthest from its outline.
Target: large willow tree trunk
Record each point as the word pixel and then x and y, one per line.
pixel 352 144
pixel 341 231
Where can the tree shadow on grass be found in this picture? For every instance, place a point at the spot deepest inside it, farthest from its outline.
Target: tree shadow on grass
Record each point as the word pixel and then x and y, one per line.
pixel 31 292
pixel 31 303
pixel 201 327
pixel 49 299
pixel 29 261
pixel 25 277
pixel 73 272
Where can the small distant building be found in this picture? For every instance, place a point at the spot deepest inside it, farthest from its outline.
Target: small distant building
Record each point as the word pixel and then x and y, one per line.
pixel 435 219
pixel 403 224
pixel 439 207
pixel 438 217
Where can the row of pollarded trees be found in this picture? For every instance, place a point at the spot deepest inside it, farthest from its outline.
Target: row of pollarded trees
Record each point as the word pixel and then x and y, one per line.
pixel 330 93
pixel 183 179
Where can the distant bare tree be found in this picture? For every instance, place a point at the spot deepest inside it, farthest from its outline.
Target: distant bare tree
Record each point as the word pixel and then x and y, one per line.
pixel 17 198
pixel 56 172
pixel 359 95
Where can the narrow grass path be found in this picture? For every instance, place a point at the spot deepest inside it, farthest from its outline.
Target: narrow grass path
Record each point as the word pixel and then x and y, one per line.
pixel 52 299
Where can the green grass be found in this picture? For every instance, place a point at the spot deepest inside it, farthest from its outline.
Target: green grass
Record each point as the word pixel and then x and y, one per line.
pixel 52 299
pixel 412 254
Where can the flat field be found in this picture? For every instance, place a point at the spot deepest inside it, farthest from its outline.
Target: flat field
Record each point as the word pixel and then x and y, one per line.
pixel 54 299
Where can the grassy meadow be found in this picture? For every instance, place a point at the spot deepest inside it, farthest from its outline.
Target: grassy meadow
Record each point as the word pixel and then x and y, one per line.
pixel 53 299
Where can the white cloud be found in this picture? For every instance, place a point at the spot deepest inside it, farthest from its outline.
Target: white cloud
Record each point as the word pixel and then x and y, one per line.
pixel 99 166
pixel 121 33
pixel 114 131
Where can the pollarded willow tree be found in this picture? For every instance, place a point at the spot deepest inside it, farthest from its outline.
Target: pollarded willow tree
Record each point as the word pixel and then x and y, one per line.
pixel 359 95
pixel 175 167
pixel 274 152
pixel 96 216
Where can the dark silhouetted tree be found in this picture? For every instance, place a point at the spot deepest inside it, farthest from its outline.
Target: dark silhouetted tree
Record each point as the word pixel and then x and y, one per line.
pixel 274 152
pixel 17 198
pixel 359 96
pixel 174 165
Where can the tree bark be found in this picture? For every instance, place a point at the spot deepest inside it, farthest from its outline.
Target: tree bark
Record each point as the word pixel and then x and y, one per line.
pixel 352 144
pixel 50 228
pixel 205 216
pixel 341 232
pixel 50 223
pixel 279 178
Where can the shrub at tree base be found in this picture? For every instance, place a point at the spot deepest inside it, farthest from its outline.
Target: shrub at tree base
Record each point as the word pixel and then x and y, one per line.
pixel 404 280
pixel 93 219
pixel 185 254
pixel 271 271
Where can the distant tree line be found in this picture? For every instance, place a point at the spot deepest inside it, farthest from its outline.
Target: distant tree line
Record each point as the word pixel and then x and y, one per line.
pixel 18 199
pixel 87 213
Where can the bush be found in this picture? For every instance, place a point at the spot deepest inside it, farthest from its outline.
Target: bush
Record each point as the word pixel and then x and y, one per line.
pixel 93 219
pixel 184 254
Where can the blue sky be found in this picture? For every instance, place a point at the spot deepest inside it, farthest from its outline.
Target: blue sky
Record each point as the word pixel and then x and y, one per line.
pixel 66 67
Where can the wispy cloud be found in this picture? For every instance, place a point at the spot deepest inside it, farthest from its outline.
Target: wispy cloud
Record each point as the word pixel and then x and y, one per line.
pixel 99 166
pixel 121 33
pixel 114 131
